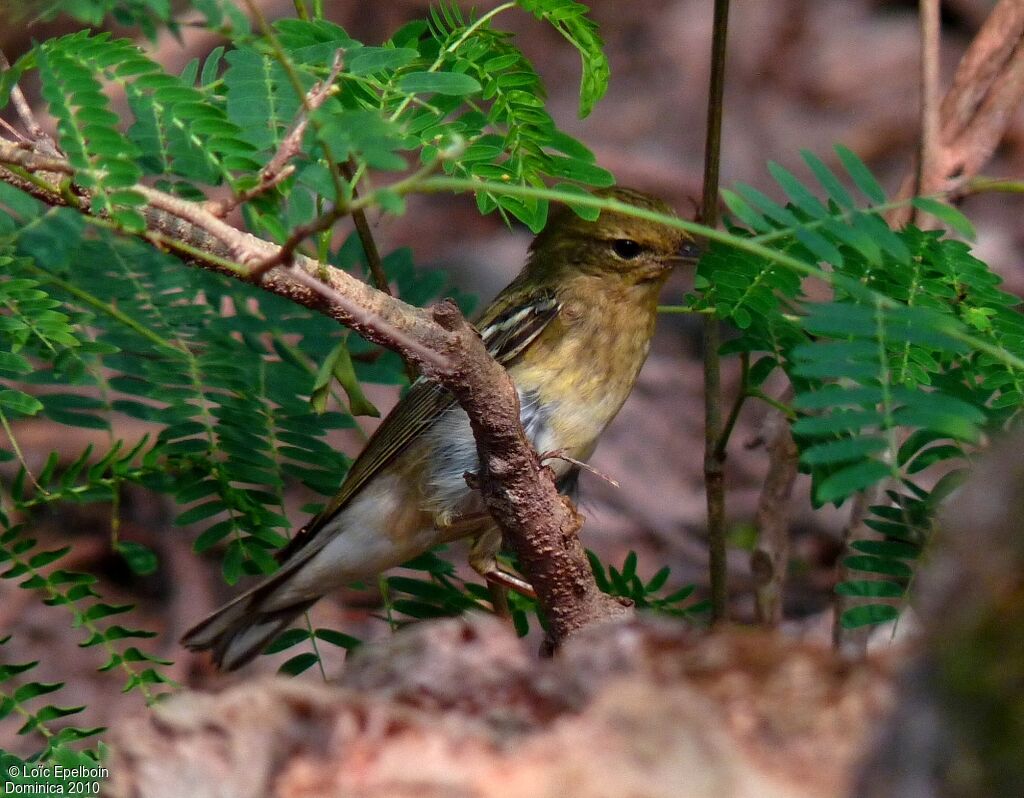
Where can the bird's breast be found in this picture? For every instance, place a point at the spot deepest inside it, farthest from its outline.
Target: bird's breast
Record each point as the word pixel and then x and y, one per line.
pixel 571 381
pixel 583 373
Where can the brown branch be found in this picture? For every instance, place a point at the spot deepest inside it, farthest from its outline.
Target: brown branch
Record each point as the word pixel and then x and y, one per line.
pixel 770 558
pixel 539 523
pixel 929 156
pixel 978 108
pixel 278 168
pixel 714 449
pixel 23 109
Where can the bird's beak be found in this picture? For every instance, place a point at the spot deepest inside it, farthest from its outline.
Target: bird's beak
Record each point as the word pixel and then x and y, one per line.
pixel 689 252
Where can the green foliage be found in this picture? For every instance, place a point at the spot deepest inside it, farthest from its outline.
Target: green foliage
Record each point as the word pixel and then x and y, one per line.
pixel 18 696
pixel 237 389
pixel 910 361
pixel 897 376
pixel 149 16
pixel 649 595
pixel 452 92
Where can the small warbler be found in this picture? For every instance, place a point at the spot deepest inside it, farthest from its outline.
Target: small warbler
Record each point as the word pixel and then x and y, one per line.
pixel 573 329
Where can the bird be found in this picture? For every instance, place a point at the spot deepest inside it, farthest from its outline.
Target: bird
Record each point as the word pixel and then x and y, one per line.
pixel 572 329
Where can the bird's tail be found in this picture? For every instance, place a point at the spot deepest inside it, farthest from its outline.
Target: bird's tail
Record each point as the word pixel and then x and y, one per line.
pixel 239 630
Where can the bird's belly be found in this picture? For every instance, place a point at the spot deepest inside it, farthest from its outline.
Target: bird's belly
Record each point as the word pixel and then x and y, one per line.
pixel 382 527
pixel 453 455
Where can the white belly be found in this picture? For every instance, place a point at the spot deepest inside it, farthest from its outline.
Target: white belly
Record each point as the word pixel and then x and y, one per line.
pixel 455 455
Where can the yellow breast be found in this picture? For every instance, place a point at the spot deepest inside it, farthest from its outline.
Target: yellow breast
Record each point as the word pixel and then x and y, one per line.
pixel 584 365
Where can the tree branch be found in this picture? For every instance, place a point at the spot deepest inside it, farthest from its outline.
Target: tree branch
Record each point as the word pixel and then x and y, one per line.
pixel 520 492
pixel 714 449
pixel 978 108
pixel 770 558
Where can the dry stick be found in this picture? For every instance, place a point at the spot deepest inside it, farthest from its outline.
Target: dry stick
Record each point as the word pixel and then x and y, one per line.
pixel 540 524
pixel 278 167
pixel 714 455
pixel 23 109
pixel 982 67
pixel 770 558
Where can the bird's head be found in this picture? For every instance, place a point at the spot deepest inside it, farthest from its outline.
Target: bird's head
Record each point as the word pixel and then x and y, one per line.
pixel 616 245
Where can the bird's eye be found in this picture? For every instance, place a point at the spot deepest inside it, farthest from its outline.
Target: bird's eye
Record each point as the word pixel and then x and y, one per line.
pixel 626 248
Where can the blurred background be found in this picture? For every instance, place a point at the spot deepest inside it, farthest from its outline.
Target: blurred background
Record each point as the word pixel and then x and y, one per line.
pixel 802 74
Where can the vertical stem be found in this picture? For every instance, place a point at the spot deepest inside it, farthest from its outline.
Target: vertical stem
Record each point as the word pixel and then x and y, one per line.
pixel 373 259
pixel 714 456
pixel 929 167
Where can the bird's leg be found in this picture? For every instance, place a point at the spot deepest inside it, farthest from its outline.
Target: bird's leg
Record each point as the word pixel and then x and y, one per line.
pixel 483 558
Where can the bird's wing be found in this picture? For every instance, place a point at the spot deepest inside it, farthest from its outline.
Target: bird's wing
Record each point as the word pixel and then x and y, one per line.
pixel 507 328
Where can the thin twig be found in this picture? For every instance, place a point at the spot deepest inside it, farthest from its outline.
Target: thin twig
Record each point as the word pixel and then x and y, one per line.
pixel 23 109
pixel 560 454
pixel 373 259
pixel 278 167
pixel 713 460
pixel 929 157
pixel 285 255
pixel 734 412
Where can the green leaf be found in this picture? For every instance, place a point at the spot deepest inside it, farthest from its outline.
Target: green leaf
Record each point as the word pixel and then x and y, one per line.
pixel 451 83
pixel 658 580
pixel 569 18
pixel 14 364
pixel 851 479
pixel 338 639
pixel 828 180
pixel 745 212
pixel 141 559
pixel 211 65
pixel 298 664
pixel 19 402
pixel 860 174
pixel 35 689
pixel 338 366
pixel 946 214
pixel 877 565
pixel 287 639
pixel 200 512
pixel 797 192
pixel 873 588
pixel 44 558
pixel 888 548
pixel 841 451
pixel 368 60
pixel 868 615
